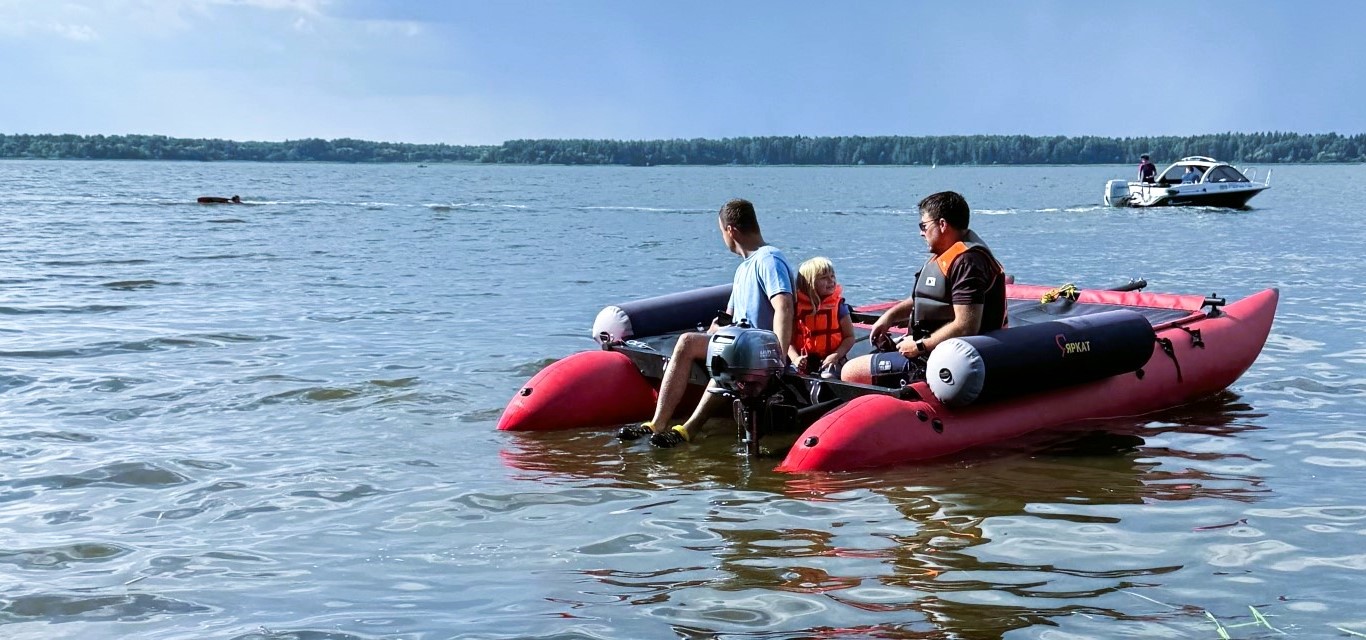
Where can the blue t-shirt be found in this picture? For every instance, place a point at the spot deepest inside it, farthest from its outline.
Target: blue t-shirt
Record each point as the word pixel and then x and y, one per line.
pixel 762 275
pixel 1190 176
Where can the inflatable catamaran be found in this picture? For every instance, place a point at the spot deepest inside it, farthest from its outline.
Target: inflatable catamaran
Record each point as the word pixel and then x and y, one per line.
pixel 1068 356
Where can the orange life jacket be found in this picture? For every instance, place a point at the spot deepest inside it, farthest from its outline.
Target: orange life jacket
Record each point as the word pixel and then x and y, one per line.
pixel 819 334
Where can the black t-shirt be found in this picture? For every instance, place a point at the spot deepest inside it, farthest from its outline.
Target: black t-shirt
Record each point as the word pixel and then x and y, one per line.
pixel 974 279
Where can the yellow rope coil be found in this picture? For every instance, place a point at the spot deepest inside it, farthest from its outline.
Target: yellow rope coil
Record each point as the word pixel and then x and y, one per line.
pixel 1068 291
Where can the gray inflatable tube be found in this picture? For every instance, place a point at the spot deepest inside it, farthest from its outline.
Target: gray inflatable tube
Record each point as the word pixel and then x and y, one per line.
pixel 1036 357
pixel 661 314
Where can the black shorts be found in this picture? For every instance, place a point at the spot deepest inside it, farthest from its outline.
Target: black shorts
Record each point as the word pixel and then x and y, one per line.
pixel 891 369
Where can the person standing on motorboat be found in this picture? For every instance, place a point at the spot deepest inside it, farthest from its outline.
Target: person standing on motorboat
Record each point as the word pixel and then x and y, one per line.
pixel 961 291
pixel 762 292
pixel 1191 176
pixel 1147 171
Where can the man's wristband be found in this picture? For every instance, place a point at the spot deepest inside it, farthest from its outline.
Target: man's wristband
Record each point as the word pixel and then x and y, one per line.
pixel 920 347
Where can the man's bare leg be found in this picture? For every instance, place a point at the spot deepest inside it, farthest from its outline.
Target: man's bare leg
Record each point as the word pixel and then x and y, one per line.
pixel 690 348
pixel 858 370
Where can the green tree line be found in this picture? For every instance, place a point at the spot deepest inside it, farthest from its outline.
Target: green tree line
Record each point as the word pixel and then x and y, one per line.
pixel 148 147
pixel 1266 147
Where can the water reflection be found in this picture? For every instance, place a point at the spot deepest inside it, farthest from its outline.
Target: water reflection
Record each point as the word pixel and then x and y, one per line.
pixel 1005 541
pixel 1071 521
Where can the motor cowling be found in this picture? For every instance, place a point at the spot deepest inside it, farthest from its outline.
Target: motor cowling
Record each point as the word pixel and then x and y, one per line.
pixel 1036 357
pixel 1116 193
pixel 744 360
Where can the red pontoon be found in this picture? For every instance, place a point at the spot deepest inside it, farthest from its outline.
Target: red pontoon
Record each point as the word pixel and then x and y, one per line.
pixel 1081 356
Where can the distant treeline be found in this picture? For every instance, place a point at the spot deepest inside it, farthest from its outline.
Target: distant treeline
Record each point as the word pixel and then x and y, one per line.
pixel 768 150
pixel 142 147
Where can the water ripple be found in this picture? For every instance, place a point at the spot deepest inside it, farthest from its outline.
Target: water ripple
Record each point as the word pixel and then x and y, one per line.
pixel 102 349
pixel 121 474
pixel 132 285
pixel 74 607
pixel 1336 513
pixel 354 493
pixel 263 633
pixel 93 262
pixel 511 503
pixel 1257 553
pixel 64 309
pixel 56 436
pixel 60 557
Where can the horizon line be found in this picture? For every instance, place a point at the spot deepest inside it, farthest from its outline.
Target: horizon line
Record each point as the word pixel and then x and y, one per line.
pixel 648 140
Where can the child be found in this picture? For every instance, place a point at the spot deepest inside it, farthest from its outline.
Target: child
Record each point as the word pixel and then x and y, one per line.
pixel 824 333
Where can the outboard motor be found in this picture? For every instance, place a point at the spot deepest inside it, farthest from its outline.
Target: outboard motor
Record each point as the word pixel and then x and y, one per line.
pixel 747 363
pixel 1116 193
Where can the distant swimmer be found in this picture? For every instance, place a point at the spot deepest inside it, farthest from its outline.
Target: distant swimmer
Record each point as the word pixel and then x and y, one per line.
pixel 218 200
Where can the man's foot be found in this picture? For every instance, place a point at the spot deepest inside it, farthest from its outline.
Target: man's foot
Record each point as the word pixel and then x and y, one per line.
pixel 671 438
pixel 635 431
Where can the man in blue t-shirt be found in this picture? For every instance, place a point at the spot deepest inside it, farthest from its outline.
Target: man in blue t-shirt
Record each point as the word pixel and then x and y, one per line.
pixel 762 293
pixel 763 274
pixel 1191 175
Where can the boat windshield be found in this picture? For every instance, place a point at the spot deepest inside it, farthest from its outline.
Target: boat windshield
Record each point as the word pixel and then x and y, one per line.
pixel 1225 173
pixel 1174 173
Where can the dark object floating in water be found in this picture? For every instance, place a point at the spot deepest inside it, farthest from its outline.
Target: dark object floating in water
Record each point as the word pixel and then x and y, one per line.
pixel 218 200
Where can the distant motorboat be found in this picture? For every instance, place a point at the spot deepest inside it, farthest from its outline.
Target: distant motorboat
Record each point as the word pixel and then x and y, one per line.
pixel 1219 184
pixel 219 200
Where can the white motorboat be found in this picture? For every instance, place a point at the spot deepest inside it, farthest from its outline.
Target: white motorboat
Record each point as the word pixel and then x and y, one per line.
pixel 1218 184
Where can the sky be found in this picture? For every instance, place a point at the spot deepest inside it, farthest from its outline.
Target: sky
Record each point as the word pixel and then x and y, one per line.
pixel 487 71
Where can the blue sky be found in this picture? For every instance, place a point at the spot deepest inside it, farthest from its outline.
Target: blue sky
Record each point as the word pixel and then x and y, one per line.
pixel 481 72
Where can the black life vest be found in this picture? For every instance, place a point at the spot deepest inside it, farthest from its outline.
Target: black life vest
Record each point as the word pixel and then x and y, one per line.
pixel 933 303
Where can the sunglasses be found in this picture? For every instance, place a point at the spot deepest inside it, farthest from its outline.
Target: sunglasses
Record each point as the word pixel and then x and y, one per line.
pixel 925 224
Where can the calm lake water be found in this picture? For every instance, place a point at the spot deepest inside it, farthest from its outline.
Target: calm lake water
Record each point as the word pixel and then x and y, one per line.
pixel 277 420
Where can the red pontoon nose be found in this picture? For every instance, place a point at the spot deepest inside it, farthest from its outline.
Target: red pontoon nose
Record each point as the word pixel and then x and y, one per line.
pixel 587 389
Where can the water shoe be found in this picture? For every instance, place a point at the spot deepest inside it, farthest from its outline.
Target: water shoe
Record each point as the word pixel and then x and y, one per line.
pixel 635 431
pixel 671 438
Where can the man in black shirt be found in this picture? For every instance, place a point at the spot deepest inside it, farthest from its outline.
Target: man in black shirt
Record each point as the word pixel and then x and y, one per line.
pixel 1147 171
pixel 961 291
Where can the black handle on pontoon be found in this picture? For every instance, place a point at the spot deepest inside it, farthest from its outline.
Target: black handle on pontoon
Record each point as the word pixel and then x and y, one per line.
pixel 1213 301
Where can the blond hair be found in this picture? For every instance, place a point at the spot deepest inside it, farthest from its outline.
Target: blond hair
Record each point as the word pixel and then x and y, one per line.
pixel 808 273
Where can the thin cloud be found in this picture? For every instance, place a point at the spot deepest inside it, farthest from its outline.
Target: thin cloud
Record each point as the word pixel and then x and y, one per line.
pixel 87 20
pixel 404 28
pixel 312 7
pixel 68 21
pixel 49 28
pixel 78 32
